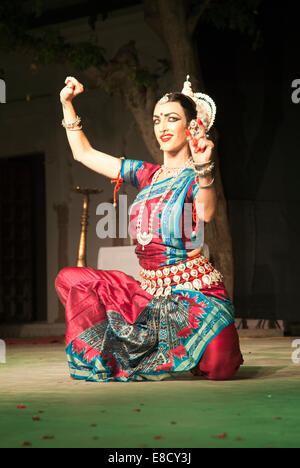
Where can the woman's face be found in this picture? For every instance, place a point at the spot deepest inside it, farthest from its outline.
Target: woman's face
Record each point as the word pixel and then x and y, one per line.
pixel 169 126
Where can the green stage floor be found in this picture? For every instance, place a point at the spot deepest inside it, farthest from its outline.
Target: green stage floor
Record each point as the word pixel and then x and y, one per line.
pixel 260 407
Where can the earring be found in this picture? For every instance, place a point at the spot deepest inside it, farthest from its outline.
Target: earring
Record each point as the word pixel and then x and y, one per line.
pixel 188 134
pixel 194 128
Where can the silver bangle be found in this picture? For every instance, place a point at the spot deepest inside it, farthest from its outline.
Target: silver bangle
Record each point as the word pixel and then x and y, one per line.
pixel 71 125
pixel 198 166
pixel 74 129
pixel 206 171
pixel 208 185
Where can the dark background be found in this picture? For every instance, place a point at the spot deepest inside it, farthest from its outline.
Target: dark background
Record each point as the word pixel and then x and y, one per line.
pixel 258 126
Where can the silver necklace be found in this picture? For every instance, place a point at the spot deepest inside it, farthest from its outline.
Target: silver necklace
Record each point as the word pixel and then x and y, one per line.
pixel 145 238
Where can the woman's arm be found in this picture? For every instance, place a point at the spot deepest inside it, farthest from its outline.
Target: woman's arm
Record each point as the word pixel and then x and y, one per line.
pixel 81 148
pixel 206 198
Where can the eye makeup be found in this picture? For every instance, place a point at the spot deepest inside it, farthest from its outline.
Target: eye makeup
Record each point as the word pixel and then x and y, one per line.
pixel 166 115
pixel 172 115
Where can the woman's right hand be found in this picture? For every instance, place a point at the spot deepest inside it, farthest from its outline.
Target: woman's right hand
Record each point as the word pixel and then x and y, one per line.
pixel 71 90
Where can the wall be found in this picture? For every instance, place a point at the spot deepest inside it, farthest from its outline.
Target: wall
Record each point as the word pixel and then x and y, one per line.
pixel 34 125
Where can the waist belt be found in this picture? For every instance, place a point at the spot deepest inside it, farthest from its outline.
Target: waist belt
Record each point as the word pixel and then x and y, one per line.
pixel 193 273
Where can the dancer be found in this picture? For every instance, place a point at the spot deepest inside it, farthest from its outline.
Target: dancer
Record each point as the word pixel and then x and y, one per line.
pixel 179 317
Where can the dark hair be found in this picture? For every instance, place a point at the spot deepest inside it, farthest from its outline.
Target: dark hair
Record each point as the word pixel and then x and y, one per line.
pixel 187 104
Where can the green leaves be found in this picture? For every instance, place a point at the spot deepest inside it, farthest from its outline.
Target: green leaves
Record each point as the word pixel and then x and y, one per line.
pixel 38 7
pixel 84 54
pixel 48 46
pixel 237 15
pixel 142 77
pixel 51 47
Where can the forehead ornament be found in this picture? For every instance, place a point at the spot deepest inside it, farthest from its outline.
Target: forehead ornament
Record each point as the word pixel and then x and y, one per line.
pixel 164 99
pixel 206 108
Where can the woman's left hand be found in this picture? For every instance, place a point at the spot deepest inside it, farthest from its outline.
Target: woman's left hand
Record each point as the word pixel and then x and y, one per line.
pixel 201 148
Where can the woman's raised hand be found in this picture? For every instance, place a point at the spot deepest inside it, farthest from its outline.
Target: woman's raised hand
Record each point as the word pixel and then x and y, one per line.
pixel 71 90
pixel 201 147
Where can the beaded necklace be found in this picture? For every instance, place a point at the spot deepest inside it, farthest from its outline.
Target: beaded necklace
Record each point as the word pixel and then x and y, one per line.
pixel 145 238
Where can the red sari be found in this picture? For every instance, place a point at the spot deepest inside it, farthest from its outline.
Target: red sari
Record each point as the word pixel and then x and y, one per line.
pixel 117 331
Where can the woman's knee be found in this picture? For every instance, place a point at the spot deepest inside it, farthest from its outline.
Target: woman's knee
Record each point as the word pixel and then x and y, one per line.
pixel 67 277
pixel 70 276
pixel 62 277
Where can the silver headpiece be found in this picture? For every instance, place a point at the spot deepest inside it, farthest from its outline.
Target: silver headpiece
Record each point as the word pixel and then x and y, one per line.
pixel 206 108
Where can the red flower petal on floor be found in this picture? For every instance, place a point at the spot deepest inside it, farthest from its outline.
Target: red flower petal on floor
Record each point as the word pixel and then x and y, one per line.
pixel 137 410
pixel 21 407
pixel 158 437
pixel 35 418
pixel 26 444
pixel 220 436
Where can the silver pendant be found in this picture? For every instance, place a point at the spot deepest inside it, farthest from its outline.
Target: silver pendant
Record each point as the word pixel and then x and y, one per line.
pixel 144 239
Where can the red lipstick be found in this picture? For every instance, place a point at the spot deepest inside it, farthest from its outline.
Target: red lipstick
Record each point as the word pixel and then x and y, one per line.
pixel 166 137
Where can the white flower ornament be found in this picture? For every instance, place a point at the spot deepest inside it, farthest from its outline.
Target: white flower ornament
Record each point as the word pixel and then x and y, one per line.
pixel 206 107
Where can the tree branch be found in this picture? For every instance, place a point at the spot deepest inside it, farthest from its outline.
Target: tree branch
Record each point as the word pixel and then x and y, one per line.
pixel 193 20
pixel 152 17
pixel 183 55
pixel 119 77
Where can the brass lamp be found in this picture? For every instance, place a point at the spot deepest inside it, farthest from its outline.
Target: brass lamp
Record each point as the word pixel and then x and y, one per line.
pixel 81 256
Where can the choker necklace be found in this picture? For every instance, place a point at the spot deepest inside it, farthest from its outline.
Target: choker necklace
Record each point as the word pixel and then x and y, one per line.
pixel 175 170
pixel 145 238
